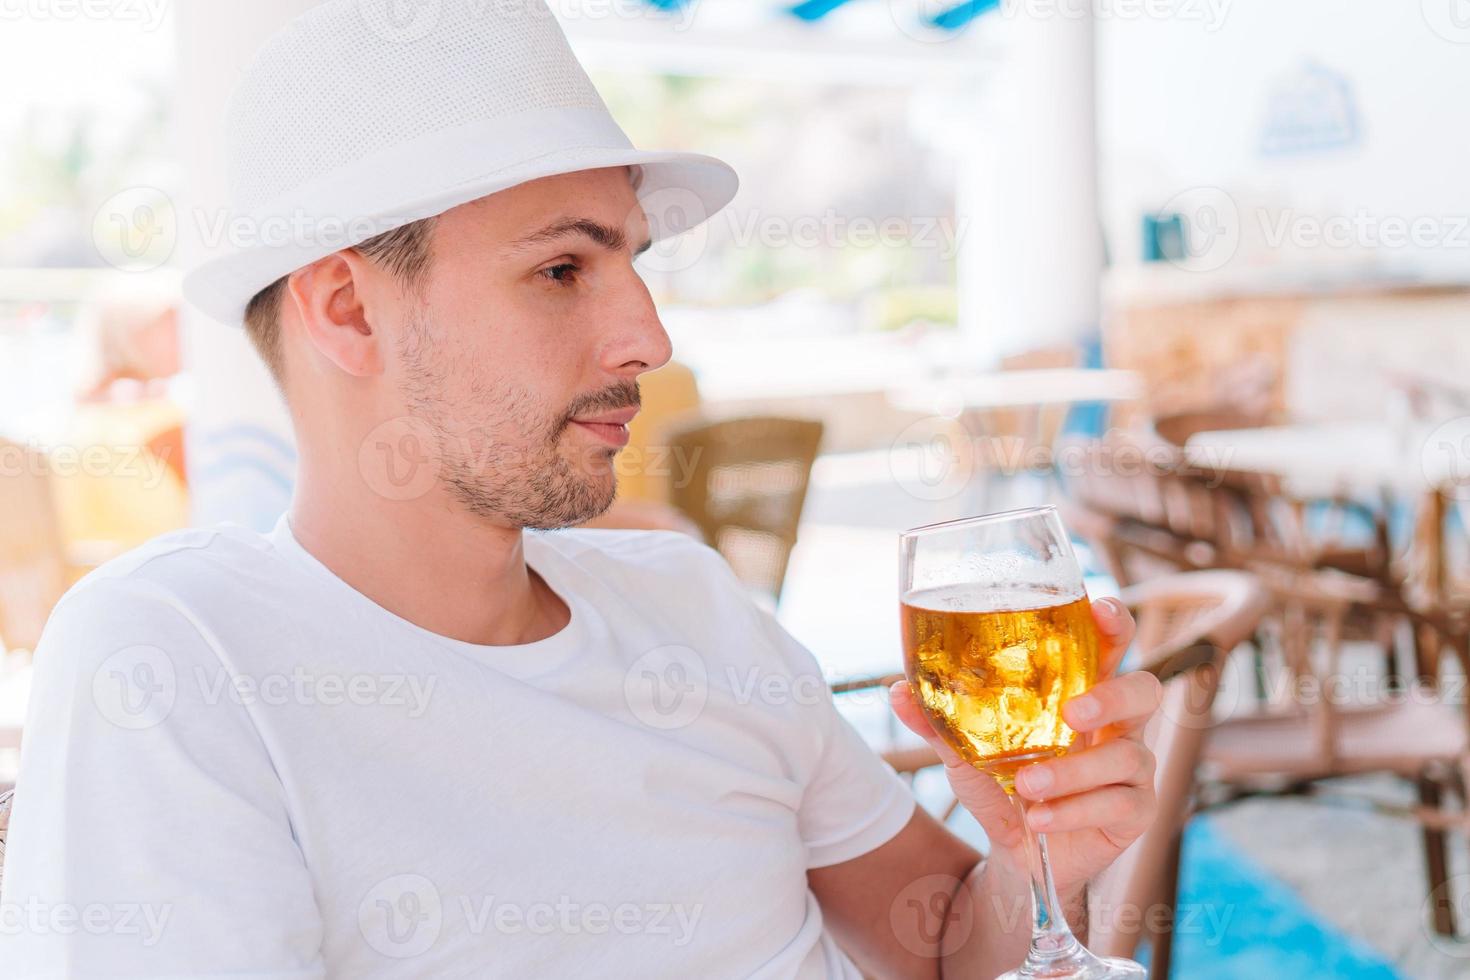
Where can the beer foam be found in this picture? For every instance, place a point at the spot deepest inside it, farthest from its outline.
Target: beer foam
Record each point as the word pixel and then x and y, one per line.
pixel 1005 597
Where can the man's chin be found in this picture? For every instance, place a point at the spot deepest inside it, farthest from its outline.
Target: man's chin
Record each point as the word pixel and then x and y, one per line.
pixel 593 502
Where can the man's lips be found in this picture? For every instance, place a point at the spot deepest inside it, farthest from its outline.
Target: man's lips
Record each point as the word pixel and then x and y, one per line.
pixel 621 417
pixel 616 435
pixel 611 427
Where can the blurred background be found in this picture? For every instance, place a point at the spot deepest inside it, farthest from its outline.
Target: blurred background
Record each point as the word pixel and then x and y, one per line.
pixel 1198 271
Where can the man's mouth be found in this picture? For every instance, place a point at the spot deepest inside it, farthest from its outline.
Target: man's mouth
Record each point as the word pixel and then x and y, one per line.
pixel 611 427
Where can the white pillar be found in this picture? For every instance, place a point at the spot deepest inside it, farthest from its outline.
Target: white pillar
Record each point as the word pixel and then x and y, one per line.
pixel 1031 261
pixel 240 451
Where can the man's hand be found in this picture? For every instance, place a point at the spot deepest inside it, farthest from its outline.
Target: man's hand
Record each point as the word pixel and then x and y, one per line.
pixel 1099 798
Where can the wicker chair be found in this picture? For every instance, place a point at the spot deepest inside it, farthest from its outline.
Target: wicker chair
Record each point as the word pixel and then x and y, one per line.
pixel 1177 428
pixel 1172 516
pixel 747 486
pixel 6 798
pixel 668 395
pixel 34 571
pixel 1419 737
pixel 1187 625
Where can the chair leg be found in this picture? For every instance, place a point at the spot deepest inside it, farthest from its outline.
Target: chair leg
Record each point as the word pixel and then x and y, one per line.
pixel 1258 670
pixel 1258 644
pixel 1426 655
pixel 1436 866
pixel 1163 941
pixel 1387 637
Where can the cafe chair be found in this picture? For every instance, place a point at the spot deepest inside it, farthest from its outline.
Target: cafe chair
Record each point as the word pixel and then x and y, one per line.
pixel 1176 428
pixel 1188 624
pixel 34 570
pixel 646 466
pixel 746 484
pixel 5 800
pixel 1415 735
pixel 1148 520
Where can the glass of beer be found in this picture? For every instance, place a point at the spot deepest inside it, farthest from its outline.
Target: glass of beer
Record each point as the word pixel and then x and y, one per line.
pixel 998 635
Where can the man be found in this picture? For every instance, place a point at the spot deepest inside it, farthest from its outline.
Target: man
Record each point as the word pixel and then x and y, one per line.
pixel 416 731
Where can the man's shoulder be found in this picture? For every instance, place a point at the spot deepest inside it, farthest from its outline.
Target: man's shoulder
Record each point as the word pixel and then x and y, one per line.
pixel 191 563
pixel 166 603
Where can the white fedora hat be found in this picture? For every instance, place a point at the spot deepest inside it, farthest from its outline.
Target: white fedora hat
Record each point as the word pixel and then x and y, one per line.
pixel 351 121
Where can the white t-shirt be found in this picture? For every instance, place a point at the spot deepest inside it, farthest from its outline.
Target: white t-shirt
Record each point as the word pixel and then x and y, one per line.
pixel 235 763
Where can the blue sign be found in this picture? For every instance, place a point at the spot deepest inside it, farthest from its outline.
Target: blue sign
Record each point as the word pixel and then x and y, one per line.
pixel 1311 110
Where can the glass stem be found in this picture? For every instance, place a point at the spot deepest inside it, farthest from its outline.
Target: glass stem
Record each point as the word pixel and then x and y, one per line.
pixel 1051 937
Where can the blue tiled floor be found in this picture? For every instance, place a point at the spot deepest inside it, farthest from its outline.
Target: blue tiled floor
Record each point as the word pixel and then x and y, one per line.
pixel 1250 926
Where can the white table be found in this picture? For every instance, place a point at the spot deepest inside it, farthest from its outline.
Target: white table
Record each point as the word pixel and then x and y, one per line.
pixel 1424 465
pixel 1330 458
pixel 1036 396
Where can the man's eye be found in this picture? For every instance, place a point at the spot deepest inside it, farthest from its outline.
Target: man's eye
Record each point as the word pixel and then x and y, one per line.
pixel 565 274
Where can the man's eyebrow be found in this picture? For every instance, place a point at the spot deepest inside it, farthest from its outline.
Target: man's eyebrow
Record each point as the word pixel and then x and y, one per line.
pixel 606 236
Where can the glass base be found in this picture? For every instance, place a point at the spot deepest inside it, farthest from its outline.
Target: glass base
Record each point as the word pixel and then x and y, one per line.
pixel 1082 965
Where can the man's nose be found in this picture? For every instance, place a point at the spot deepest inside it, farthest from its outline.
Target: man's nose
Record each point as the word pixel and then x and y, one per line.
pixel 639 343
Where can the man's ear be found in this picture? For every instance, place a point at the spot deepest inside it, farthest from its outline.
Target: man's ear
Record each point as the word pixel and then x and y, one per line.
pixel 330 302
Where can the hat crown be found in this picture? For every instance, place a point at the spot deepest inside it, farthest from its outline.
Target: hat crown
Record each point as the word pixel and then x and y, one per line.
pixel 350 78
pixel 361 116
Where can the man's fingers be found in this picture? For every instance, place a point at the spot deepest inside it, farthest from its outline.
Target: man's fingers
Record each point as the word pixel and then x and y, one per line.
pixel 1126 702
pixel 1121 761
pixel 976 790
pixel 1115 629
pixel 906 706
pixel 1123 810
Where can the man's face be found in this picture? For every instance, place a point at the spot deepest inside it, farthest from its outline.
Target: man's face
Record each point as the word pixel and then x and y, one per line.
pixel 532 324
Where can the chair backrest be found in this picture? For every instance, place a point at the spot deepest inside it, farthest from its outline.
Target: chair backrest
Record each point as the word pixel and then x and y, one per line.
pixel 33 571
pixel 1126 480
pixel 1179 427
pixel 1187 624
pixel 646 466
pixel 1159 505
pixel 746 488
pixel 1137 507
pixel 5 799
pixel 1311 612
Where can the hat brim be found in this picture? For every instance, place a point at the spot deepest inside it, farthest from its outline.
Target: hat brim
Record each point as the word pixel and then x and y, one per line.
pixel 678 190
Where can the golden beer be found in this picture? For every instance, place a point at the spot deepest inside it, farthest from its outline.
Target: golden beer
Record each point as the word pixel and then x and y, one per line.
pixel 993 683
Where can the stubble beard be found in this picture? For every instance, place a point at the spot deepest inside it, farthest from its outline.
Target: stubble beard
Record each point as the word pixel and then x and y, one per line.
pixel 510 470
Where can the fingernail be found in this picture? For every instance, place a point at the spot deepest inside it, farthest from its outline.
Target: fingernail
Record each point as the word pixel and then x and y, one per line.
pixel 1085 708
pixel 1112 610
pixel 1036 779
pixel 1040 816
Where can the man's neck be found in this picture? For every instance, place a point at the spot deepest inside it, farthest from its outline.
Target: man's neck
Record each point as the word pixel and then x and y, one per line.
pixel 428 562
